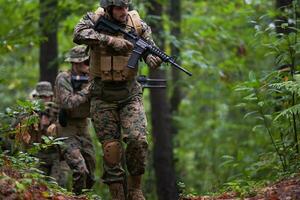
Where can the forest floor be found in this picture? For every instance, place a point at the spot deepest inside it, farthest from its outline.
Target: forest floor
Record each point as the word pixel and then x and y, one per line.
pixel 21 184
pixel 285 189
pixel 16 184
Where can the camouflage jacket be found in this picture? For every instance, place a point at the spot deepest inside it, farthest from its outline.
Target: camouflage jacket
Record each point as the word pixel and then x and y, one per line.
pixel 85 34
pixel 75 102
pixel 30 127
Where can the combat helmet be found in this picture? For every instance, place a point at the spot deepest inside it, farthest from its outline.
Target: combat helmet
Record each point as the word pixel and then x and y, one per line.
pixel 44 88
pixel 77 54
pixel 122 3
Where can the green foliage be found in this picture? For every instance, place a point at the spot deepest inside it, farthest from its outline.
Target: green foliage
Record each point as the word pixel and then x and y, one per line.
pixel 239 118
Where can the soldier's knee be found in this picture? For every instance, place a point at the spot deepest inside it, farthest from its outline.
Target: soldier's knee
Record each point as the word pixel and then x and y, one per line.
pixel 76 161
pixel 112 151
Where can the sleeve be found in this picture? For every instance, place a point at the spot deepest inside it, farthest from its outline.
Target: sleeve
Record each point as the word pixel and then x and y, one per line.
pixel 85 34
pixel 146 32
pixel 68 99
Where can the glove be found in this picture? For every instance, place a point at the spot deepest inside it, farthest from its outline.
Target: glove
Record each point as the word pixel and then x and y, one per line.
pixel 120 44
pixel 153 61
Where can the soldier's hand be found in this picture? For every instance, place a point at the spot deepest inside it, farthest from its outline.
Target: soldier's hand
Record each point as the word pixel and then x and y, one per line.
pixel 120 44
pixel 52 130
pixel 153 61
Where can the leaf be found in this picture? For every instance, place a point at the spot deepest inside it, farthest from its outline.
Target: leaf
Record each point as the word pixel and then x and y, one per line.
pixel 257 127
pixel 250 113
pixel 20 186
pixel 288 112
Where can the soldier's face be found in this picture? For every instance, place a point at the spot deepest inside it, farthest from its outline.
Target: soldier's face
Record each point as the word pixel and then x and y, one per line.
pixel 81 68
pixel 45 98
pixel 120 13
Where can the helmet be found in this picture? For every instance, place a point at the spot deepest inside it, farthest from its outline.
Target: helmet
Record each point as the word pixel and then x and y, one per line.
pixel 44 88
pixel 77 54
pixel 122 3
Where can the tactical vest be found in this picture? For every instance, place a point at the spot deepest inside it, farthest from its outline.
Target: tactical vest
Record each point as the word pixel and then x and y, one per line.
pixel 107 65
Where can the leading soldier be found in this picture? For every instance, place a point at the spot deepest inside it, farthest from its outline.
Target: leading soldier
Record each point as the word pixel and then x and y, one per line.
pixel 116 96
pixel 74 104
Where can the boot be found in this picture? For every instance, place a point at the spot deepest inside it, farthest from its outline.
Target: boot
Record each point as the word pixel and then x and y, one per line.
pixel 116 191
pixel 134 188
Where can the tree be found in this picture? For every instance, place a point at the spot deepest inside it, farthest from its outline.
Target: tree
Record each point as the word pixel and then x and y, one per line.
pixel 161 121
pixel 49 46
pixel 175 16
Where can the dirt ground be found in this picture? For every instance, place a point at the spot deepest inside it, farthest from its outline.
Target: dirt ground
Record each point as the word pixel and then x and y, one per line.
pixel 288 189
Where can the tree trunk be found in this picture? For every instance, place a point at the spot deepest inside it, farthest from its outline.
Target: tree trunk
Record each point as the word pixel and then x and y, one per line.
pixel 161 121
pixel 175 17
pixel 48 47
pixel 281 18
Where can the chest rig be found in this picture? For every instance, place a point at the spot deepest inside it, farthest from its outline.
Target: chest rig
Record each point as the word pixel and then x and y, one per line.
pixel 109 65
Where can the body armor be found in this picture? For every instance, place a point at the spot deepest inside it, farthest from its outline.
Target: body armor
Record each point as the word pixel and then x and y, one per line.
pixel 109 65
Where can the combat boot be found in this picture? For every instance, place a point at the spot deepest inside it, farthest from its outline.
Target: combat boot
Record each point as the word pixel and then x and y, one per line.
pixel 117 191
pixel 134 188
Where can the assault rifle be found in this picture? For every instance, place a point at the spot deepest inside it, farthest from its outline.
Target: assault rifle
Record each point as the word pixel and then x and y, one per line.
pixel 143 80
pixel 151 83
pixel 77 81
pixel 141 46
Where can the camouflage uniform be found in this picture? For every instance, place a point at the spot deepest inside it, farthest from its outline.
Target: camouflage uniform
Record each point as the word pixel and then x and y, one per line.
pixel 117 109
pixel 49 158
pixel 77 149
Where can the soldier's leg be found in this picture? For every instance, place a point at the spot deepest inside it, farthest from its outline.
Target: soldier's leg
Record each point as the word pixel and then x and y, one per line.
pixel 105 118
pixel 87 151
pixel 45 161
pixel 60 171
pixel 134 124
pixel 76 162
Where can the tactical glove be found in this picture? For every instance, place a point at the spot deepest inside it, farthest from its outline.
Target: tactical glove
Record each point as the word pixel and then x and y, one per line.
pixel 119 44
pixel 153 61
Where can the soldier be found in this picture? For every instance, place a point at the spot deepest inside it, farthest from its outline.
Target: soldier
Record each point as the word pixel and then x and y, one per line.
pixel 49 158
pixel 74 104
pixel 116 96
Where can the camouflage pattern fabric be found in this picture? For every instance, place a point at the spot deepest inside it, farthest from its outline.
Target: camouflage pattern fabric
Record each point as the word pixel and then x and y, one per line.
pixel 52 166
pixel 77 54
pixel 117 110
pixel 129 116
pixel 85 34
pixel 49 158
pixel 77 149
pixel 66 97
pixel 44 88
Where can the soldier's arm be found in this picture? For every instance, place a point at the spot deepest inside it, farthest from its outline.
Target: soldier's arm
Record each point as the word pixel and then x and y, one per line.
pixel 146 32
pixel 68 99
pixel 84 32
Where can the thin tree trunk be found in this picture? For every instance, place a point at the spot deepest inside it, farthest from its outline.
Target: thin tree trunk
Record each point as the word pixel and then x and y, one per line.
pixel 175 16
pixel 48 47
pixel 281 18
pixel 161 121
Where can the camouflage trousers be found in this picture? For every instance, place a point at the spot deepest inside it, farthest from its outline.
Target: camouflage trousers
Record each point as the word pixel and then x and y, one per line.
pixel 51 165
pixel 115 122
pixel 79 153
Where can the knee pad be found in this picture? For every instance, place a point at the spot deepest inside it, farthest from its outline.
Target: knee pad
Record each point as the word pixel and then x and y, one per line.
pixel 112 151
